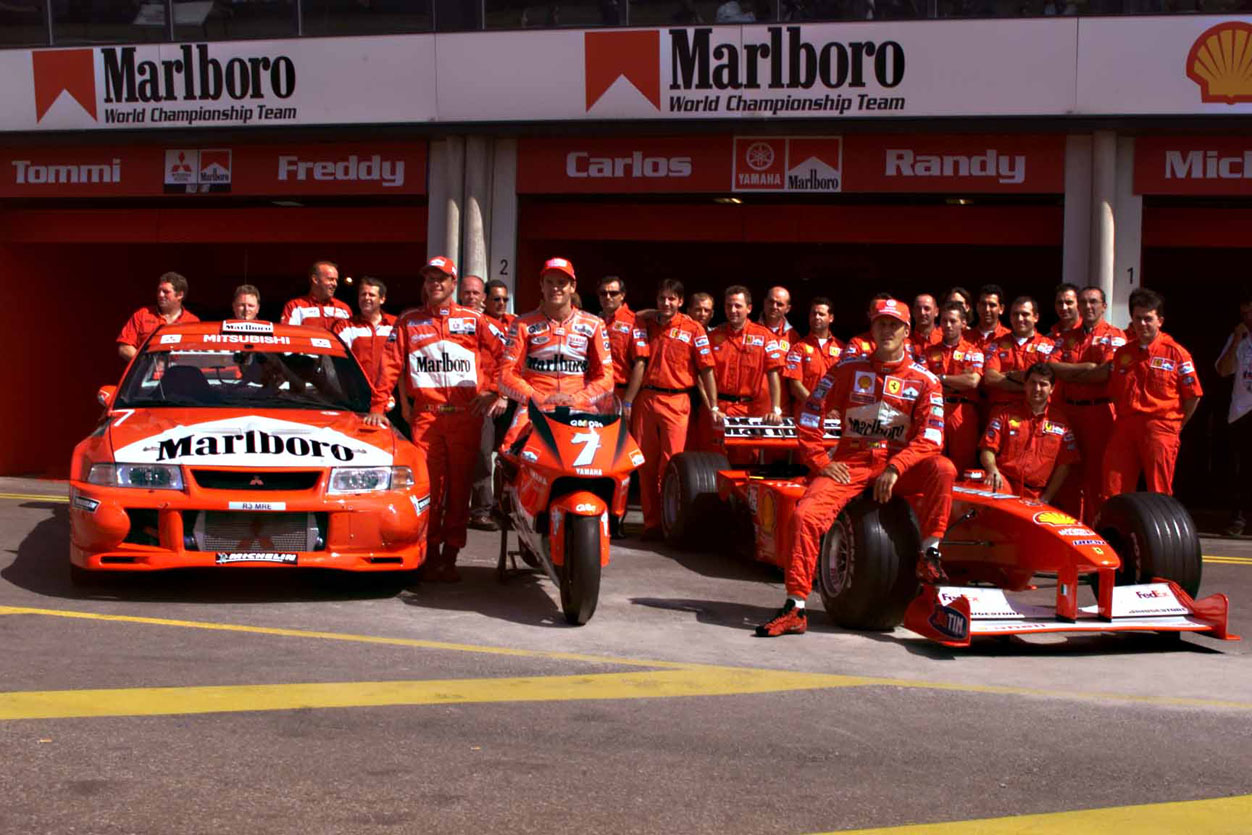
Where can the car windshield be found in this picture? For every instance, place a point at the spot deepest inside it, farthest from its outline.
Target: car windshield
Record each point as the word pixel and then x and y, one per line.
pixel 244 379
pixel 604 411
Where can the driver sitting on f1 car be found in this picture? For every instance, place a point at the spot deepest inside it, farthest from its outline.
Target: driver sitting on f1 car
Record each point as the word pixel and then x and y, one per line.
pixel 892 437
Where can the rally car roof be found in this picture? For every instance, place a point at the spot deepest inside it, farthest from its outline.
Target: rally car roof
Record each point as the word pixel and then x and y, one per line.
pixel 237 335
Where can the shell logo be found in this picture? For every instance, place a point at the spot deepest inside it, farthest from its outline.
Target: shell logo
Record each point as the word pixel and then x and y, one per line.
pixel 1054 517
pixel 1220 61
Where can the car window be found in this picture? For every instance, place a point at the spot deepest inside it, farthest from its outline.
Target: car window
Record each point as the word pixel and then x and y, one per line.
pixel 247 379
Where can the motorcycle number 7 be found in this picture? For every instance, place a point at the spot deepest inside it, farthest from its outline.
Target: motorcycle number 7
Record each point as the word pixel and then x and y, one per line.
pixel 590 442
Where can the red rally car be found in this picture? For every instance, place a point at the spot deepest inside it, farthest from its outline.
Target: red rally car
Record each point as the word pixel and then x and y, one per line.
pixel 1137 570
pixel 241 443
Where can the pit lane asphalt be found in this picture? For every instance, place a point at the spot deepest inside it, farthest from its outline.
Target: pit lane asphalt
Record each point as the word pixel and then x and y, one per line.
pixel 640 726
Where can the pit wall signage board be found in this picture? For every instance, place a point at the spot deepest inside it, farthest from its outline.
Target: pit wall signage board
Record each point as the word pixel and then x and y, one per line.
pixel 1197 165
pixel 342 168
pixel 1165 65
pixel 910 163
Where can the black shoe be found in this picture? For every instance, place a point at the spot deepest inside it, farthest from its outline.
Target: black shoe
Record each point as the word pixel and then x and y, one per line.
pixel 929 568
pixel 615 528
pixel 1235 528
pixel 789 621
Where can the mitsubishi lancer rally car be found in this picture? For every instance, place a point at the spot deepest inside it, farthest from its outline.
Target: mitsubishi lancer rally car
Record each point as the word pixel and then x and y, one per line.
pixel 242 443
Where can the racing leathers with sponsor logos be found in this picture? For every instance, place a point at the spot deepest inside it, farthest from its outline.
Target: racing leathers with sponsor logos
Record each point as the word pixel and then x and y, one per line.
pixel 960 409
pixel 1029 447
pixel 889 418
pixel 676 353
pixel 446 354
pixel 543 357
pixel 367 342
pixel 312 312
pixel 1149 385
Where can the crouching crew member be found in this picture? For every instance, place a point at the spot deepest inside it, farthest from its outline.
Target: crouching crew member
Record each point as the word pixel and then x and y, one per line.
pixel 447 351
pixel 1029 448
pixel 890 440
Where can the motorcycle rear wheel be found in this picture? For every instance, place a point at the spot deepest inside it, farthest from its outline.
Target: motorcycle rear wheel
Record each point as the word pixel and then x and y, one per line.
pixel 580 575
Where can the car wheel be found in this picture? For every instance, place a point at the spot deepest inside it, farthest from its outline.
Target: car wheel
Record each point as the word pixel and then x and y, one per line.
pixel 865 570
pixel 689 500
pixel 1154 536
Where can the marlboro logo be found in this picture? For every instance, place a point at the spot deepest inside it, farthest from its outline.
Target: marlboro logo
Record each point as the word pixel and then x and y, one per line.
pixel 633 56
pixel 60 71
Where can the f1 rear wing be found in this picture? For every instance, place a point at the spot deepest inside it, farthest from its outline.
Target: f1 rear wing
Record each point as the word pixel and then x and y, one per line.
pixel 753 432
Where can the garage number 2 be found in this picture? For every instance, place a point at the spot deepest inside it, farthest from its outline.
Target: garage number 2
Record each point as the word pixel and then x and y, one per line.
pixel 590 443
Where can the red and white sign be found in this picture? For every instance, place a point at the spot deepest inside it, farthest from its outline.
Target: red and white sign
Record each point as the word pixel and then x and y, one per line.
pixel 907 163
pixel 348 168
pixel 1193 165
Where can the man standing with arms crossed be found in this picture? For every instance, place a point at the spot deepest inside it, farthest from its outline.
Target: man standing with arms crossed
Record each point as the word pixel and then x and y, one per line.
pixel 171 289
pixel 445 351
pixel 320 308
pixel 674 352
pixel 890 440
pixel 959 366
pixel 1007 358
pixel 747 360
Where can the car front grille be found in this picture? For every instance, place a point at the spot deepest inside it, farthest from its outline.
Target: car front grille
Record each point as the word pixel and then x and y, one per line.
pixel 256 479
pixel 230 531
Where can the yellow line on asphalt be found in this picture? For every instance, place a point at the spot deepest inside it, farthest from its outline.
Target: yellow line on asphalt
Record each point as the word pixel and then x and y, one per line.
pixel 167 701
pixel 1219 816
pixel 1229 560
pixel 34 497
pixel 705 669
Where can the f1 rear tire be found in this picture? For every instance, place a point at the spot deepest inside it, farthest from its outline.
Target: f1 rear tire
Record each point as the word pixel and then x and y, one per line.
pixel 580 575
pixel 867 563
pixel 689 500
pixel 1154 536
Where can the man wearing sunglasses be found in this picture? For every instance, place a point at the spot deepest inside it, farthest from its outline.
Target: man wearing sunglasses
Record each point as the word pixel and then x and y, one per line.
pixel 624 338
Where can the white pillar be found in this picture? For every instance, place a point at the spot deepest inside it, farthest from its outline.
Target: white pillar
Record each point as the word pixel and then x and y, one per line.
pixel 477 206
pixel 503 241
pixel 446 189
pixel 1103 196
pixel 1076 242
pixel 1128 248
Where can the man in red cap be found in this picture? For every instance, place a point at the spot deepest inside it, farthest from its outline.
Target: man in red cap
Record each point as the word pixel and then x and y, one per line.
pixel 1028 447
pixel 556 355
pixel 862 345
pixel 447 352
pixel 320 308
pixel 892 437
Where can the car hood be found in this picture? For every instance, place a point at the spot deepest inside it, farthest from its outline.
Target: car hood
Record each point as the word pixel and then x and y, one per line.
pixel 247 438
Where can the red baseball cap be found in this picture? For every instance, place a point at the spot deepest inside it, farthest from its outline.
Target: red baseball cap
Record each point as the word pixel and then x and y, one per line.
pixel 561 265
pixel 442 263
pixel 894 309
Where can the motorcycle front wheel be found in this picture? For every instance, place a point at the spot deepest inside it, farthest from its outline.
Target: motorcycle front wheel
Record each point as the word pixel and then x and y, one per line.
pixel 580 575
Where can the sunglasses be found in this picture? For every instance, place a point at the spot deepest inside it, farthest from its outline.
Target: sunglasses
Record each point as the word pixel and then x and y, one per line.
pixel 611 293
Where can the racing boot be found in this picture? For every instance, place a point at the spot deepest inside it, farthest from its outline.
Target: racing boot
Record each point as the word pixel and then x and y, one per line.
pixel 790 620
pixel 447 572
pixel 930 569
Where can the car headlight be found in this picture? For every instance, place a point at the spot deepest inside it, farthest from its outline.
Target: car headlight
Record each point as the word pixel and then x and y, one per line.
pixel 146 476
pixel 369 479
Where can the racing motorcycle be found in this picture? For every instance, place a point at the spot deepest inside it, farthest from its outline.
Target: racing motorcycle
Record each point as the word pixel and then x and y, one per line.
pixel 556 488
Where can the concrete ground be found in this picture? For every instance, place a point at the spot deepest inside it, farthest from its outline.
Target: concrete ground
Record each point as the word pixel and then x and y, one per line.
pixel 283 701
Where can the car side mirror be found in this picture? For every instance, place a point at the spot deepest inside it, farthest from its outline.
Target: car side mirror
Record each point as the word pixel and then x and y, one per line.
pixel 105 395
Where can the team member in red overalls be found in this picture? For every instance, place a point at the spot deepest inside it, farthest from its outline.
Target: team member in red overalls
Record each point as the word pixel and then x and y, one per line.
pixel 925 331
pixel 625 336
pixel 774 312
pixel 890 439
pixel 366 334
pixel 320 308
pixel 1007 358
pixel 497 305
pixel 556 355
pixel 959 366
pixel 1068 318
pixel 445 352
pixel 675 351
pixel 1155 392
pixel 745 353
pixel 1079 351
pixel 171 289
pixel 810 358
pixel 1028 447
pixel 496 419
pixel 989 309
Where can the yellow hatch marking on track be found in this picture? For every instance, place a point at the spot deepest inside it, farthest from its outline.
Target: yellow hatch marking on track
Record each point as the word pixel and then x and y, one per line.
pixel 1219 816
pixel 799 680
pixel 34 497
pixel 166 701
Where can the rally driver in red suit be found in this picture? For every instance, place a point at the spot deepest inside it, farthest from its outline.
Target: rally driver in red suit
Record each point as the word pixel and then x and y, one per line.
pixel 892 438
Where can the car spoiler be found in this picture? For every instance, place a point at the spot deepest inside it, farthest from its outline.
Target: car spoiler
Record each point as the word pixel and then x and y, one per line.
pixel 753 432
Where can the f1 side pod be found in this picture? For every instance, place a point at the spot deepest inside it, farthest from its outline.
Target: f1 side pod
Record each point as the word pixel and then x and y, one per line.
pixel 953 615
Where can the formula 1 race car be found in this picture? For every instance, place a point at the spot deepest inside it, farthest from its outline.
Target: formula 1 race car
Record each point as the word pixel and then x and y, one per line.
pixel 1142 559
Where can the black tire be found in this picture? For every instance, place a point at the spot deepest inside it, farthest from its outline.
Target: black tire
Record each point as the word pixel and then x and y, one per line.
pixel 1154 536
pixel 580 575
pixel 866 569
pixel 689 502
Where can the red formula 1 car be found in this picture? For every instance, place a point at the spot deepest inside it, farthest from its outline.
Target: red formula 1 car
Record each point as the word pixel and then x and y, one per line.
pixel 1141 561
pixel 243 444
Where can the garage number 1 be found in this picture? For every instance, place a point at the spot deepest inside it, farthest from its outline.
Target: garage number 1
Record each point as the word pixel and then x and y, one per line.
pixel 590 442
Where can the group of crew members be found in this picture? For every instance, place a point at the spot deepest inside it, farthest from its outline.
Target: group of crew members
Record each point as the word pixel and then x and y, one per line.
pixel 931 390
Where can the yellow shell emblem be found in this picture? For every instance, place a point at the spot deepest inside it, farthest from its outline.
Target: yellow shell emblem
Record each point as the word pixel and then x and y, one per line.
pixel 1220 61
pixel 1054 517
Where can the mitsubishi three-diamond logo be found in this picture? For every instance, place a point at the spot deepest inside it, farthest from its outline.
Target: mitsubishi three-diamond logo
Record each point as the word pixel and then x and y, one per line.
pixel 58 71
pixel 634 56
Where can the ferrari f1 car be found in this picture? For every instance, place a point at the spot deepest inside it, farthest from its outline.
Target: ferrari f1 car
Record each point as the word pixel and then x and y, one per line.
pixel 242 444
pixel 1141 559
